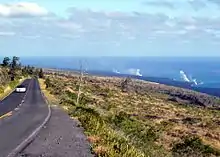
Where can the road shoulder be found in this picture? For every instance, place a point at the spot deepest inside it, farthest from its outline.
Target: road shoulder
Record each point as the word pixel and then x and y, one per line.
pixel 61 137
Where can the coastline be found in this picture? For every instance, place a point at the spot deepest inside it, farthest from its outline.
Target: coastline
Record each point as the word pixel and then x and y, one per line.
pixel 155 80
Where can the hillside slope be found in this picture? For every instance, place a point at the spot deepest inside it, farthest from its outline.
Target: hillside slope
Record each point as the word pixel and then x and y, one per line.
pixel 6 85
pixel 4 77
pixel 124 117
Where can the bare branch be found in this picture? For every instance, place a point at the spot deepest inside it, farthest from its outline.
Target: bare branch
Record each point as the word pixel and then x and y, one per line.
pixel 80 83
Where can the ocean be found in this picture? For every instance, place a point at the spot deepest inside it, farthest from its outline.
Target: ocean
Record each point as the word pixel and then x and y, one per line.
pixel 200 71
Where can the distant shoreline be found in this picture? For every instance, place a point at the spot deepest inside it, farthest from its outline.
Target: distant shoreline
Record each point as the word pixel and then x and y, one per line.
pixel 159 80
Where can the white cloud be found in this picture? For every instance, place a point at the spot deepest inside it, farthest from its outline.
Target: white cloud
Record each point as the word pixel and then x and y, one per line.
pixel 217 2
pixel 70 25
pixel 180 32
pixel 22 9
pixel 131 38
pixel 197 4
pixel 119 27
pixel 7 33
pixel 69 36
pixel 163 3
pixel 32 36
pixel 190 27
pixel 160 32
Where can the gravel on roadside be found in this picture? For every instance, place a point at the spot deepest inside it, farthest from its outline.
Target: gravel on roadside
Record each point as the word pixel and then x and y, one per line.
pixel 61 137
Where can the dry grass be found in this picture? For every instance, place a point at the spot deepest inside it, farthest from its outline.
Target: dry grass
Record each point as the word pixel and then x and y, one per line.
pixel 94 139
pixel 53 100
pixel 132 115
pixel 100 151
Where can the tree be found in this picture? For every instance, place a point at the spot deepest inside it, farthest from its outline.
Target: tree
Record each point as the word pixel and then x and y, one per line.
pixel 31 71
pixel 41 73
pixel 80 83
pixel 15 62
pixel 6 61
pixel 24 71
pixel 12 74
pixel 48 82
pixel 19 66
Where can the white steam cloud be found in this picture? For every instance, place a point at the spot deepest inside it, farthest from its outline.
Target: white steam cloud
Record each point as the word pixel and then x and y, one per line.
pixel 184 77
pixel 195 82
pixel 116 71
pixel 187 79
pixel 136 72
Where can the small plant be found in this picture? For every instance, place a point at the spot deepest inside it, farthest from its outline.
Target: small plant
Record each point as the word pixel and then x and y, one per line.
pixel 1 89
pixel 41 73
pixel 48 82
pixel 190 120
pixel 120 117
pixel 109 142
pixel 143 137
pixel 193 146
pixel 13 84
pixel 71 95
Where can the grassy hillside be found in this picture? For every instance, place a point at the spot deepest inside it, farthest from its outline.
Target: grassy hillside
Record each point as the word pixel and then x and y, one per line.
pixel 4 77
pixel 135 118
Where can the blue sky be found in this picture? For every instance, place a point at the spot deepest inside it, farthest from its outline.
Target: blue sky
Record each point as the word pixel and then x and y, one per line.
pixel 110 28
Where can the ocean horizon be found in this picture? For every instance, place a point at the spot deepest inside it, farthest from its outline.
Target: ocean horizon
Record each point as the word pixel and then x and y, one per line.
pixel 200 71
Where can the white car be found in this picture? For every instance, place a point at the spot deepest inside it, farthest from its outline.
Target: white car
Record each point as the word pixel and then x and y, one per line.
pixel 20 89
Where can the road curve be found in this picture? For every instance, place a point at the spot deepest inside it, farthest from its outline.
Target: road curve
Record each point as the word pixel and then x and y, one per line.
pixel 16 128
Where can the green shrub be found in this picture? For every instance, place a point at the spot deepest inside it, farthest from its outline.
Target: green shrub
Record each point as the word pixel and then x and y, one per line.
pixel 193 146
pixel 1 89
pixel 120 117
pixel 140 135
pixel 71 95
pixel 19 77
pixel 90 119
pixel 13 84
pixel 48 83
pixel 85 100
pixel 68 101
pixel 95 125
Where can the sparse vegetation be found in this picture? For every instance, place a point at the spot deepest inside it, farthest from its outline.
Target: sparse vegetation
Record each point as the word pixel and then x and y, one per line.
pixel 6 62
pixel 193 146
pixel 1 89
pixel 41 73
pixel 124 117
pixel 11 74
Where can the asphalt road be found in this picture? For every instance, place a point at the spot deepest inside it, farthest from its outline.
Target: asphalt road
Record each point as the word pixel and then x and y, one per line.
pixel 17 127
pixel 12 101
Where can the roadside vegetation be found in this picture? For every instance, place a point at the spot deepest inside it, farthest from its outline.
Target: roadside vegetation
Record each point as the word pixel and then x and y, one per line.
pixel 12 73
pixel 130 118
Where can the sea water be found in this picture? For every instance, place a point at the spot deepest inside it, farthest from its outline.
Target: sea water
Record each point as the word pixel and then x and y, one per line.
pixel 201 71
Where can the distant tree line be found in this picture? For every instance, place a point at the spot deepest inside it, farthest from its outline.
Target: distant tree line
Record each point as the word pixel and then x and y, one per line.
pixel 14 65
